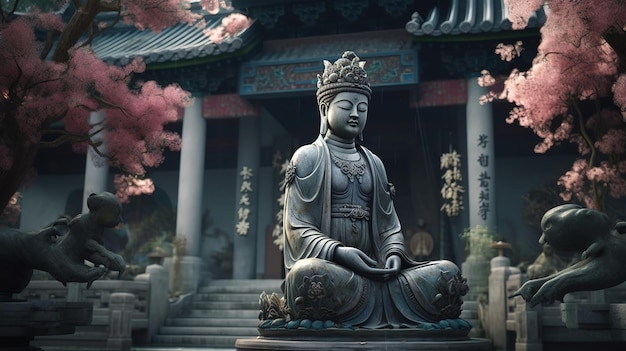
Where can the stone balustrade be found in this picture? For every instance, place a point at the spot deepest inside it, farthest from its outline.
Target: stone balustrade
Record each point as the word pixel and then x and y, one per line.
pixel 125 312
pixel 585 318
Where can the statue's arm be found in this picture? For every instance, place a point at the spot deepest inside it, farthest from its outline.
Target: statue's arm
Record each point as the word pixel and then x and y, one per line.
pixel 100 255
pixel 389 228
pixel 304 201
pixel 593 250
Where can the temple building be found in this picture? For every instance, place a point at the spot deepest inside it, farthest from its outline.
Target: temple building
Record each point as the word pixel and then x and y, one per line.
pixel 255 104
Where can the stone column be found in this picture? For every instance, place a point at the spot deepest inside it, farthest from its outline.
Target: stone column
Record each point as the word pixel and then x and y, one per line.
pixel 187 267
pixel 480 159
pixel 96 167
pixel 245 221
pixel 481 196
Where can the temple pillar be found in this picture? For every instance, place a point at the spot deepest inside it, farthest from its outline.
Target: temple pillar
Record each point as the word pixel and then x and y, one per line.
pixel 481 197
pixel 480 159
pixel 246 211
pixel 96 166
pixel 187 267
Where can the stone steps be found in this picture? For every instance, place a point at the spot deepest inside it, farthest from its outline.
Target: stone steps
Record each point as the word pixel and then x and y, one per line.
pixel 221 313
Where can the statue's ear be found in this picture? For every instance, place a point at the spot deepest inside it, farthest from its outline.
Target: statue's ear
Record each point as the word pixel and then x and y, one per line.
pixel 323 107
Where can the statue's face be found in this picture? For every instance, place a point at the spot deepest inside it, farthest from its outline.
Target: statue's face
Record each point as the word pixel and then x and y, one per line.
pixel 347 114
pixel 571 227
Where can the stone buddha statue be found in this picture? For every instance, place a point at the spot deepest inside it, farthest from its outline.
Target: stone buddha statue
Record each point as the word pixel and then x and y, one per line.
pixel 345 259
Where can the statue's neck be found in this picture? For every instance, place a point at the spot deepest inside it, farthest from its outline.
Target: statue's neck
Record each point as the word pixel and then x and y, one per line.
pixel 341 147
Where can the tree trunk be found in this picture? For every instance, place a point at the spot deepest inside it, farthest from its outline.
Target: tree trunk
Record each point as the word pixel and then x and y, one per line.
pixel 78 25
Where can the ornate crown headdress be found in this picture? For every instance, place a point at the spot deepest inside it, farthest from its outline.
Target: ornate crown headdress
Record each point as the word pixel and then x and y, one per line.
pixel 346 74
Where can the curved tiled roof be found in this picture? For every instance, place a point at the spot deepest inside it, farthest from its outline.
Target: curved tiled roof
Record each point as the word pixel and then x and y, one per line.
pixel 455 17
pixel 180 42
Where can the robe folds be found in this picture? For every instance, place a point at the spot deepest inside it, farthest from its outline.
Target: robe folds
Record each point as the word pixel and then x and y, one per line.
pixel 316 287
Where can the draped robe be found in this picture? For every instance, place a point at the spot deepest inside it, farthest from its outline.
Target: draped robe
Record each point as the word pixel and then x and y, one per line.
pixel 317 288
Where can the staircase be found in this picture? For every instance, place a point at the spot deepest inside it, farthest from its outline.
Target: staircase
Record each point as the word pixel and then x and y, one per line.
pixel 221 313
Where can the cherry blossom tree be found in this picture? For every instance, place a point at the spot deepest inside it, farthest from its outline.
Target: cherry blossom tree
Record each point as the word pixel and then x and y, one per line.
pixel 574 91
pixel 60 81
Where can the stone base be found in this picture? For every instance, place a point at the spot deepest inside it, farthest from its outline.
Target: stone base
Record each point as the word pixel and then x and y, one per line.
pixel 262 344
pixel 379 339
pixel 21 321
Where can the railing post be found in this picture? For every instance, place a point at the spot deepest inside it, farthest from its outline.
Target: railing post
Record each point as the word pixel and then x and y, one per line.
pixel 157 299
pixel 498 301
pixel 121 307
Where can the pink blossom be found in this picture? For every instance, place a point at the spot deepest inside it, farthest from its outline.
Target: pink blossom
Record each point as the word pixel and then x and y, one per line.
pixel 157 14
pixel 46 20
pixel 230 26
pixel 212 6
pixel 619 94
pixel 486 79
pixel 583 147
pixel 521 10
pixel 613 142
pixel 508 52
pixel 574 63
pixel 236 23
pixel 129 185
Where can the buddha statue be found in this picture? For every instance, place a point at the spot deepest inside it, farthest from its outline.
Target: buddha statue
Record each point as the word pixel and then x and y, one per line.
pixel 345 258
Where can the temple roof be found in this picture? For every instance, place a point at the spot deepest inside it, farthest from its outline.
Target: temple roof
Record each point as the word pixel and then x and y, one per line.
pixel 183 44
pixel 457 17
pixel 179 44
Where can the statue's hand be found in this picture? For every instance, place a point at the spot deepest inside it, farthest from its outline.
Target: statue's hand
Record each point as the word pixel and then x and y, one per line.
pixel 353 257
pixel 393 264
pixel 356 260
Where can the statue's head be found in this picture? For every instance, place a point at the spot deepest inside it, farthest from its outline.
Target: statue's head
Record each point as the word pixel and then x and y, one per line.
pixel 571 227
pixel 105 208
pixel 346 76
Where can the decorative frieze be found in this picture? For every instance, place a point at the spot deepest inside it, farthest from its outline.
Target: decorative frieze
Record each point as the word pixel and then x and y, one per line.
pixel 308 13
pixel 384 69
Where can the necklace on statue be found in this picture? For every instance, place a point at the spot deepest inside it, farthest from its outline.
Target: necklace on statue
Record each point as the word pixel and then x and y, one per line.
pixel 352 169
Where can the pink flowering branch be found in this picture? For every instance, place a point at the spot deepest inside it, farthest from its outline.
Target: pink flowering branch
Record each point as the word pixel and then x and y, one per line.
pixel 580 64
pixel 36 92
pixel 230 26
pixel 130 185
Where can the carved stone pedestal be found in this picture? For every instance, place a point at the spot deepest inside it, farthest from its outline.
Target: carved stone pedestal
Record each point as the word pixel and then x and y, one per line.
pixel 21 321
pixel 362 339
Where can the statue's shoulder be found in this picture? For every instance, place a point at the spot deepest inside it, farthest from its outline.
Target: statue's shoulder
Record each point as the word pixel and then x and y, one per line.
pixel 377 162
pixel 306 159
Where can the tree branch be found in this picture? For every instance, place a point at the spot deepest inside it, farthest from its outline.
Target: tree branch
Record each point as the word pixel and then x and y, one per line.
pixel 583 132
pixel 110 105
pixel 111 25
pixel 80 22
pixel 71 138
